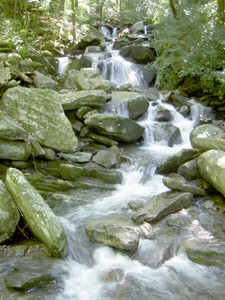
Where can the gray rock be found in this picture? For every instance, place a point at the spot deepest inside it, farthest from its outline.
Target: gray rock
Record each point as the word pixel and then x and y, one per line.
pixel 179 183
pixel 10 129
pixel 167 132
pixel 116 232
pixel 128 104
pixel 211 166
pixel 9 214
pixel 116 127
pixel 138 53
pixel 207 137
pixel 174 161
pixel 44 82
pixel 39 217
pixel 91 98
pixel 189 170
pixel 90 79
pixel 102 139
pixel 14 150
pixel 162 114
pixel 43 117
pixel 106 158
pixel 162 205
pixel 136 27
pixel 77 157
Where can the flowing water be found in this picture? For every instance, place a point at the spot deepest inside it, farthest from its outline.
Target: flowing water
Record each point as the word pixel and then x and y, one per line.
pixel 159 269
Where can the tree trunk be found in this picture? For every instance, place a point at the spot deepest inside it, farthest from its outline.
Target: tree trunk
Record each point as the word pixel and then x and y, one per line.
pixel 74 7
pixel 173 8
pixel 220 10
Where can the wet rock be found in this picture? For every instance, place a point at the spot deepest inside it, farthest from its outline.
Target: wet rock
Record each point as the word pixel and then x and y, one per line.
pixel 189 170
pixel 9 214
pixel 129 104
pixel 91 98
pixel 102 139
pixel 206 252
pixel 212 168
pixel 167 132
pixel 162 114
pixel 75 172
pixel 41 220
pixel 26 276
pixel 14 150
pixel 177 182
pixel 84 61
pixel 117 232
pixel 162 205
pixel 138 53
pixel 90 79
pixel 116 127
pixel 207 137
pixel 174 161
pixel 43 117
pixel 44 82
pixel 10 129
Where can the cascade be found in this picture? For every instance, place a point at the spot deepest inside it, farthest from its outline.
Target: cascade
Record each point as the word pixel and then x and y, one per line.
pixel 157 269
pixel 62 64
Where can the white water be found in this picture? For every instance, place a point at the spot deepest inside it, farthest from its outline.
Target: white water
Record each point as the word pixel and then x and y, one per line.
pixel 101 273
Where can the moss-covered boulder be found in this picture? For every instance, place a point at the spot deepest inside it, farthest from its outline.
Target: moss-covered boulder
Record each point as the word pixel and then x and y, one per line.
pixel 211 166
pixel 116 127
pixel 5 76
pixel 40 113
pixel 90 79
pixel 207 137
pixel 44 82
pixel 37 214
pixel 14 150
pixel 91 98
pixel 138 53
pixel 130 104
pixel 9 214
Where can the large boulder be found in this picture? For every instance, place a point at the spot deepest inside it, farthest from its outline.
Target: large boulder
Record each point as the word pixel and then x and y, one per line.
pixel 44 82
pixel 14 150
pixel 90 79
pixel 40 113
pixel 129 104
pixel 5 76
pixel 167 132
pixel 136 27
pixel 207 137
pixel 138 53
pixel 9 214
pixel 116 127
pixel 211 166
pixel 37 214
pixel 91 98
pixel 116 232
pixel 162 205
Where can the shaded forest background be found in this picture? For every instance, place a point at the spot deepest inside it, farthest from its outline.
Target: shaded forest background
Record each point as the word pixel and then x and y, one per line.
pixel 189 35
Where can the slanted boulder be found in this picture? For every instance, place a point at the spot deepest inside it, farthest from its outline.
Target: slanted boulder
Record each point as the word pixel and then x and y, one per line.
pixel 116 127
pixel 128 104
pixel 167 132
pixel 117 232
pixel 11 130
pixel 91 98
pixel 211 166
pixel 37 214
pixel 162 205
pixel 5 76
pixel 40 113
pixel 44 82
pixel 9 214
pixel 207 137
pixel 90 79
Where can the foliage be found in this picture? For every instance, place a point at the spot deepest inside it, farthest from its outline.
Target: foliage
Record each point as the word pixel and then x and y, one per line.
pixel 192 46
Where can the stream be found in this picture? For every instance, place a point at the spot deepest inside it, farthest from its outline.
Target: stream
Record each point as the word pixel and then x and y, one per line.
pixel 159 269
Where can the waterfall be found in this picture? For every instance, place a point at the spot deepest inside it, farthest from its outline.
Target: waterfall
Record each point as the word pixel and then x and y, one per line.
pixel 62 64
